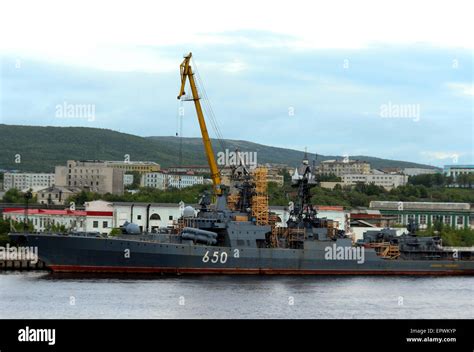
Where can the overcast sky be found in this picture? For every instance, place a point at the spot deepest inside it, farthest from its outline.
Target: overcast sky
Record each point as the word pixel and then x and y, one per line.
pixel 285 73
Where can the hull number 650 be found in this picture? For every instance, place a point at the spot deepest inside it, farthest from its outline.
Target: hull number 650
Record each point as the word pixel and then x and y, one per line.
pixel 216 257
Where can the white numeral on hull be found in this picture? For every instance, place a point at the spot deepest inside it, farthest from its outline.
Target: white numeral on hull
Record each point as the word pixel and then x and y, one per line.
pixel 216 257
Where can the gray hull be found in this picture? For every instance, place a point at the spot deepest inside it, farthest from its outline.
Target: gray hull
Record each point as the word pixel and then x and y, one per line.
pixel 120 255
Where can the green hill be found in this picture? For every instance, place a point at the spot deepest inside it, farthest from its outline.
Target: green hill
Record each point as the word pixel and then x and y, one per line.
pixel 41 148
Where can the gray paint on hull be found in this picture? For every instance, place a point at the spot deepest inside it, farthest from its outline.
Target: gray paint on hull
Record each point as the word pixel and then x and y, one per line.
pixel 74 252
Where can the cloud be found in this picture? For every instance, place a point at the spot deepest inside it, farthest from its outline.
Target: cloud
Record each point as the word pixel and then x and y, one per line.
pixel 441 156
pixel 87 31
pixel 462 88
pixel 336 106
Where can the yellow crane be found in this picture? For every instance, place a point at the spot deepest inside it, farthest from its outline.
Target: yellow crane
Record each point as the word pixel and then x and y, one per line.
pixel 187 72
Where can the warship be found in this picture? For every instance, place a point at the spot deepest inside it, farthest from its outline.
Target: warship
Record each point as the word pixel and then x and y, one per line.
pixel 233 232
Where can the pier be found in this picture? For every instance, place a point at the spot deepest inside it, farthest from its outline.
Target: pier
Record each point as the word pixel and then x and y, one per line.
pixel 21 265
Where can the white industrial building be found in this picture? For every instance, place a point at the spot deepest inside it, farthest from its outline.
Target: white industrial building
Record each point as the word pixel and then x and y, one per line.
pixel 76 220
pixel 127 179
pixel 148 216
pixel 378 178
pixel 162 180
pixel 184 180
pixel 24 180
pixel 153 180
pixel 456 170
pixel 415 171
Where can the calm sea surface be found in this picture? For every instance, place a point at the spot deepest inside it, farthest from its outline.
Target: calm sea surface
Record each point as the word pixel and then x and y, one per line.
pixel 44 295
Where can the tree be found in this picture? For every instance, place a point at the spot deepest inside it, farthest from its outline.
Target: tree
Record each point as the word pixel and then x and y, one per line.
pixel 286 176
pixel 7 226
pixel 451 237
pixel 55 228
pixel 82 197
pixel 429 180
pixel 465 180
pixel 15 196
pixel 136 179
pixel 328 178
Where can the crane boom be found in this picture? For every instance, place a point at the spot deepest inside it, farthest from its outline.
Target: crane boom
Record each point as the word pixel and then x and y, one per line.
pixel 187 72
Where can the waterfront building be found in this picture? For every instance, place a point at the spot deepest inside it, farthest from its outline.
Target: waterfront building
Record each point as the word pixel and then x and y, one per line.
pixel 457 215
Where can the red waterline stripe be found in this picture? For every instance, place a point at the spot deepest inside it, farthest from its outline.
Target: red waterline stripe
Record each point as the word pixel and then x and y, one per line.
pixel 241 271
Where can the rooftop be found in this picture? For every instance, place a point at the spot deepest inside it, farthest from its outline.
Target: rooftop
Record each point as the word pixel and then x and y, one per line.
pixel 63 212
pixel 45 212
pixel 459 166
pixel 343 161
pixel 390 205
pixel 121 162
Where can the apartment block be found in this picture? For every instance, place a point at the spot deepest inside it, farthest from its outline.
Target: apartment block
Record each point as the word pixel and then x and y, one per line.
pixel 343 167
pixel 388 181
pixel 90 175
pixel 138 166
pixel 22 181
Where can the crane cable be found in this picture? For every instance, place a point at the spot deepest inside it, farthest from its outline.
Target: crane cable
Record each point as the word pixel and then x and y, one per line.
pixel 208 107
pixel 179 129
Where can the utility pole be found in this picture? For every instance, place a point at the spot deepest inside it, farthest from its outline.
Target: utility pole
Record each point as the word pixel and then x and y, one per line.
pixel 28 195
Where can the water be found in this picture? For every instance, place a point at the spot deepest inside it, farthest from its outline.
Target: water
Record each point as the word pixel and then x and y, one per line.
pixel 43 295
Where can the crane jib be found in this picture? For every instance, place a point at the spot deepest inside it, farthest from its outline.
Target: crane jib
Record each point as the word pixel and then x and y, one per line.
pixel 187 72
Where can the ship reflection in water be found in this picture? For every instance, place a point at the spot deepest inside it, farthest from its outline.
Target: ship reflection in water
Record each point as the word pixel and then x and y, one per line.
pixel 43 295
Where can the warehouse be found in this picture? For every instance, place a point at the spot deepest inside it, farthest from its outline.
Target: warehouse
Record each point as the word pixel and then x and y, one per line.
pixel 457 215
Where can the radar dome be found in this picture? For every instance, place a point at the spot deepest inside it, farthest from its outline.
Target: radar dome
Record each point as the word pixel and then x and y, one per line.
pixel 131 228
pixel 188 212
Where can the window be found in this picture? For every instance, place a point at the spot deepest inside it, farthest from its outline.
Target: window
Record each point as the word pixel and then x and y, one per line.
pixel 423 219
pixel 460 220
pixel 95 224
pixel 170 217
pixel 447 219
pixel 400 219
pixel 104 224
pixel 139 217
